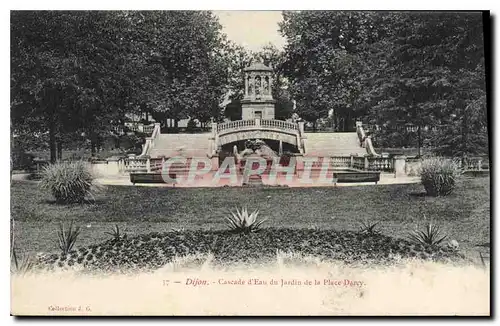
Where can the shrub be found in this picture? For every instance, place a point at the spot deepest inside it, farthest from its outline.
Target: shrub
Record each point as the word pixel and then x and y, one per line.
pixel 21 264
pixel 241 222
pixel 69 182
pixel 367 227
pixel 431 235
pixel 67 239
pixel 116 234
pixel 439 175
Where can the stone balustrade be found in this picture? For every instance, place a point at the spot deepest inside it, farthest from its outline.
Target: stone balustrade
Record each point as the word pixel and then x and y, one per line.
pixel 235 125
pixel 256 123
pixel 279 124
pixel 148 145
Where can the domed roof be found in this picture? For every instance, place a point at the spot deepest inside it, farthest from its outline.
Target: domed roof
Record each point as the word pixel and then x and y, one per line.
pixel 258 66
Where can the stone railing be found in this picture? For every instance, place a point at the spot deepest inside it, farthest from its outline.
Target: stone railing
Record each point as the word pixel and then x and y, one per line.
pixel 141 165
pixel 365 141
pixel 473 163
pixel 279 124
pixel 361 133
pixel 221 129
pixel 340 161
pixel 148 129
pixel 146 148
pixel 156 164
pixel 257 123
pixel 380 164
pixel 366 163
pixel 358 162
pixel 235 125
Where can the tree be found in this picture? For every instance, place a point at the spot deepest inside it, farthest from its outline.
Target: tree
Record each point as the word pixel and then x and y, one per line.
pixel 67 75
pixel 82 72
pixel 431 70
pixel 183 67
pixel 322 61
pixel 392 70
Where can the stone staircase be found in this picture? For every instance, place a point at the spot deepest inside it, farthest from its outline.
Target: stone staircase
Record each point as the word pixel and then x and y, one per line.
pixel 333 144
pixel 189 145
pixel 198 145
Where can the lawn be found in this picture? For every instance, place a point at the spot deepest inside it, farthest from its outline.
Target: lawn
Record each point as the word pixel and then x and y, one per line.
pixel 464 215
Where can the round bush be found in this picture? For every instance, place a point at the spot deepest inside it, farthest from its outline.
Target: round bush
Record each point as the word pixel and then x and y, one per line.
pixel 69 182
pixel 439 176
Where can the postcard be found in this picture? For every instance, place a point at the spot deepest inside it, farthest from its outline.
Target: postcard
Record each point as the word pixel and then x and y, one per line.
pixel 250 163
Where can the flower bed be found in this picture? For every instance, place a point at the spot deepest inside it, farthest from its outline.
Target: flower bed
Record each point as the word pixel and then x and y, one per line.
pixel 154 250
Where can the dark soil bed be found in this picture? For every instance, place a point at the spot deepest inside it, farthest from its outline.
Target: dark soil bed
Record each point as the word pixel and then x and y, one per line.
pixel 151 251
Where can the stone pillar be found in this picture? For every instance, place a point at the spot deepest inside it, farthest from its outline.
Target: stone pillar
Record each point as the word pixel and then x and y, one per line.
pixel 367 163
pixel 359 124
pixel 113 166
pixel 253 85
pixel 399 166
pixel 257 123
pixel 246 85
pixel 352 161
pixel 148 165
pixel 214 129
pixel 270 86
pixel 281 148
pixel 301 127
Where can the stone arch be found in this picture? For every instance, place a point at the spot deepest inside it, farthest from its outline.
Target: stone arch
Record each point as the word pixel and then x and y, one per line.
pixel 267 87
pixel 250 85
pixel 258 85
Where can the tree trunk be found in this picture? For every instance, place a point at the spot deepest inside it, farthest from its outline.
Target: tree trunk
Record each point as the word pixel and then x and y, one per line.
pixel 52 142
pixel 419 140
pixel 93 144
pixel 59 150
pixel 117 142
pixel 464 146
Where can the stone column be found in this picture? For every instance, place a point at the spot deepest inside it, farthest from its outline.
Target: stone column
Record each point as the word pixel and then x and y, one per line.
pixel 246 85
pixel 301 127
pixel 399 166
pixel 214 129
pixel 253 85
pixel 270 86
pixel 367 163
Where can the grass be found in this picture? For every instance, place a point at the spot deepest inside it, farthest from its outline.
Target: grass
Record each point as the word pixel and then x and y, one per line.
pixel 464 215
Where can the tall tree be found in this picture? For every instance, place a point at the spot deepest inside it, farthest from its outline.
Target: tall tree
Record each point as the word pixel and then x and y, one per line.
pixel 322 60
pixel 430 69
pixel 82 72
pixel 183 69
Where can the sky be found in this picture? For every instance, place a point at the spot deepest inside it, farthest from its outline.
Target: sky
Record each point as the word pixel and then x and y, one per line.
pixel 252 29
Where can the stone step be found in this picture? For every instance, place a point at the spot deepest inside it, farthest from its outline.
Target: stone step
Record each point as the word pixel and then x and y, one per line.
pixel 317 144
